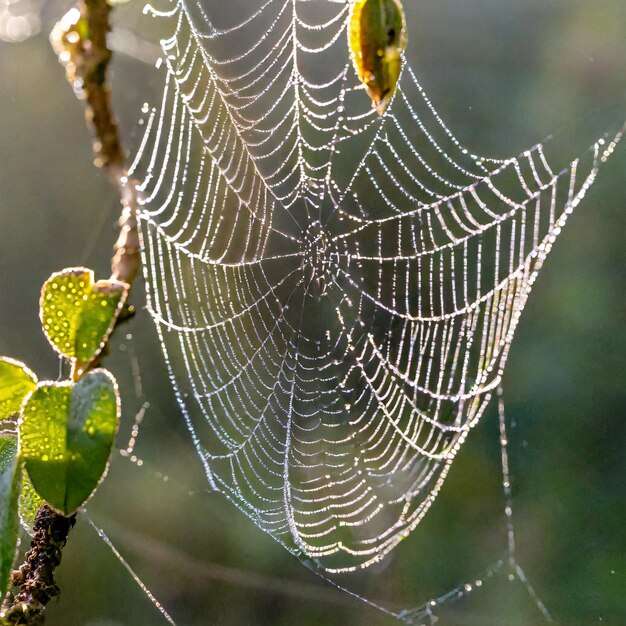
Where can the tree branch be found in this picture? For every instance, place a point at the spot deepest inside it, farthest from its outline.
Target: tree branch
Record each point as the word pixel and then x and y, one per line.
pixel 80 41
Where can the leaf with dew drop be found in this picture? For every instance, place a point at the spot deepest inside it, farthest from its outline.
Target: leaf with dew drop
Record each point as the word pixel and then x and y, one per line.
pixel 30 502
pixel 377 36
pixel 9 520
pixel 16 382
pixel 66 436
pixel 78 314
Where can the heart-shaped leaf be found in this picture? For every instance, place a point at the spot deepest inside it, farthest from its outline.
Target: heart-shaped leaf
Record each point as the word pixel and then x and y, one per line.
pixel 78 314
pixel 16 382
pixel 66 435
pixel 9 520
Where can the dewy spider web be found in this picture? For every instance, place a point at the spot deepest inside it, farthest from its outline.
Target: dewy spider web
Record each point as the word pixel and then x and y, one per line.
pixel 335 292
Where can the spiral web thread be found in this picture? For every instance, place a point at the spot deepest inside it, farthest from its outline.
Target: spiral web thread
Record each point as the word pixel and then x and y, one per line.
pixel 335 292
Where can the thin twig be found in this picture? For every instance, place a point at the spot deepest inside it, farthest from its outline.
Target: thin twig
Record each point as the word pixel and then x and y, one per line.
pixel 80 41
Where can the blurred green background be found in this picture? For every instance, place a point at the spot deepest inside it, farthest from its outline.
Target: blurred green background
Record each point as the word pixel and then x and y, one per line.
pixel 503 76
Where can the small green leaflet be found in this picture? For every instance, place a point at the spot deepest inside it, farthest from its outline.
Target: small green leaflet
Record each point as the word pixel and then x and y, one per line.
pixel 9 520
pixel 30 503
pixel 78 314
pixel 16 382
pixel 66 437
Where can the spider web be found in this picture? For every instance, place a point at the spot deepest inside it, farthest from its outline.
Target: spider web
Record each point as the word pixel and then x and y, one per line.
pixel 335 292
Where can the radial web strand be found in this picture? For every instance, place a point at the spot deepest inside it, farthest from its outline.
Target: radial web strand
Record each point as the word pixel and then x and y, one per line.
pixel 335 292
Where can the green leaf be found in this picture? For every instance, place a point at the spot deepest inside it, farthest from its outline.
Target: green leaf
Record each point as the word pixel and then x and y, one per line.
pixel 77 315
pixel 9 521
pixel 30 503
pixel 16 382
pixel 66 434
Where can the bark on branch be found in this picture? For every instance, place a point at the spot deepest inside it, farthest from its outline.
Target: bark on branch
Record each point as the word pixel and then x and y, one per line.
pixel 35 577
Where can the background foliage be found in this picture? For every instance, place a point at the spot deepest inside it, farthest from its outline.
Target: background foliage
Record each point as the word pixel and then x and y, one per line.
pixel 503 76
